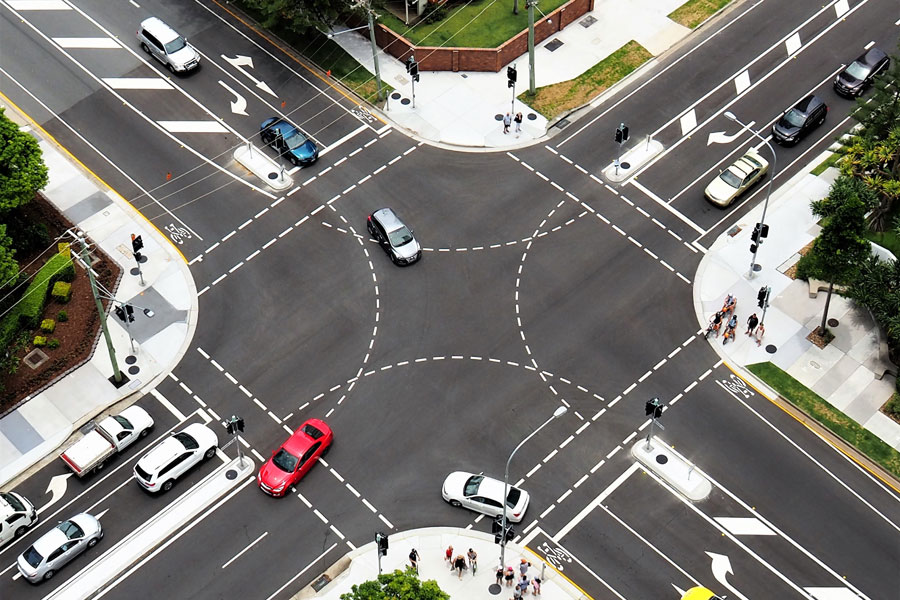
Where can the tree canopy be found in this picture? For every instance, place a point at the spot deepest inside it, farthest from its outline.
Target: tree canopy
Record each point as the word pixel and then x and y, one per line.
pixel 398 585
pixel 300 16
pixel 22 169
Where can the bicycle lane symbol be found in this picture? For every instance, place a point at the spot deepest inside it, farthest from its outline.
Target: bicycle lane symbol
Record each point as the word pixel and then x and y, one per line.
pixel 736 386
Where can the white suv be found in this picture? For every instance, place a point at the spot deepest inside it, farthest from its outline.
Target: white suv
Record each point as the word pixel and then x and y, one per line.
pixel 165 45
pixel 173 457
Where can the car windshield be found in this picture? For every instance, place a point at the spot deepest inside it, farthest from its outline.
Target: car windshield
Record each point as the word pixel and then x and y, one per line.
pixel 13 501
pixel 795 117
pixel 731 178
pixel 752 161
pixel 285 461
pixel 401 236
pixel 512 498
pixel 32 557
pixel 857 70
pixel 295 139
pixel 125 423
pixel 186 440
pixel 175 45
pixel 472 484
pixel 71 529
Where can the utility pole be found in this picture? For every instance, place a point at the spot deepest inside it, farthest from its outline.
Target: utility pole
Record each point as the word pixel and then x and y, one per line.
pixel 374 49
pixel 530 4
pixel 117 374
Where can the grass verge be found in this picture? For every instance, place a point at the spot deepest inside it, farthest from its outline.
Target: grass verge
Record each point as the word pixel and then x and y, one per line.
pixel 692 13
pixel 558 98
pixel 828 416
pixel 478 24
pixel 831 161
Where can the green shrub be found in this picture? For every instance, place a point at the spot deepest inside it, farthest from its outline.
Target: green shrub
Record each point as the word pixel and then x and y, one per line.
pixel 62 292
pixel 48 325
pixel 892 408
pixel 39 341
pixel 62 316
pixel 434 13
pixel 53 343
pixel 31 306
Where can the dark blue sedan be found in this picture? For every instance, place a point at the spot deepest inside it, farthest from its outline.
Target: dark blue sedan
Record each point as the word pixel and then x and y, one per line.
pixel 289 141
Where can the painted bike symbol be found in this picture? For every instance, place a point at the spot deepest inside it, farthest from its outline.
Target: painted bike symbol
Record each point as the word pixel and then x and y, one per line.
pixel 363 114
pixel 178 234
pixel 736 385
pixel 555 556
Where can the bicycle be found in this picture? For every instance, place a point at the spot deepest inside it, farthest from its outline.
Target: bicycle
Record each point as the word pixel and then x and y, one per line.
pixel 714 324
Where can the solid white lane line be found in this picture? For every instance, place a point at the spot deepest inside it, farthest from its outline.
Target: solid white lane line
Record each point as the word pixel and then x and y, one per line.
pixel 594 503
pixel 94 43
pixel 302 571
pixel 238 555
pixel 193 126
pixel 169 406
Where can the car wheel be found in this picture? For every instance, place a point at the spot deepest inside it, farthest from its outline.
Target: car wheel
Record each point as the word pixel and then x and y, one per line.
pixel 210 453
pixel 99 467
pixel 49 574
pixel 171 68
pixel 93 542
pixel 145 432
pixel 20 531
pixel 293 160
pixel 167 485
pixel 145 47
pixel 456 503
pixel 394 258
pixel 327 450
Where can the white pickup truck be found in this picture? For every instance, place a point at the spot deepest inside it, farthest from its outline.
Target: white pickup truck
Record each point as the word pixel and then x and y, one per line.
pixel 110 436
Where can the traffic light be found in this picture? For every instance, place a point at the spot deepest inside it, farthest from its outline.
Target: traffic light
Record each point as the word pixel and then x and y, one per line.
pixel 762 298
pixel 497 528
pixel 136 244
pixel 412 67
pixel 511 76
pixel 120 313
pixel 621 133
pixel 382 540
pixel 129 311
pixel 653 408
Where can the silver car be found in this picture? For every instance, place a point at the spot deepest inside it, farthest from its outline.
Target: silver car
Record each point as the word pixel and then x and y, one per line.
pixel 394 236
pixel 54 549
pixel 165 45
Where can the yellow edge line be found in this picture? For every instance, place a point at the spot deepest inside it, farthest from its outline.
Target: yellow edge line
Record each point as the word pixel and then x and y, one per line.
pixel 325 80
pixel 97 177
pixel 816 433
pixel 560 573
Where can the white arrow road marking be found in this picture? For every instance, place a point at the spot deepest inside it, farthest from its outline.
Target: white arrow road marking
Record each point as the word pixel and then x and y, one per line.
pixel 240 61
pixel 239 105
pixel 88 42
pixel 831 593
pixel 100 514
pixel 720 137
pixel 744 525
pixel 137 83
pixel 721 568
pixel 57 489
pixel 193 126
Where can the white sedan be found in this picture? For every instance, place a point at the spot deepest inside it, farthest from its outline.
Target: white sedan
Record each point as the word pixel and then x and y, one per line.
pixel 484 494
pixel 54 549
pixel 736 179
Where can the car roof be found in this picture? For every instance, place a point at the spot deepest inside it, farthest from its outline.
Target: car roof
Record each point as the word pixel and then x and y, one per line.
pixel 157 27
pixel 809 104
pixel 300 441
pixel 50 541
pixel 388 219
pixel 871 56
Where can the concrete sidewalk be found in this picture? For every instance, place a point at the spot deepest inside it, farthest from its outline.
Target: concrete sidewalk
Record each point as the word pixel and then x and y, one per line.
pixel 45 421
pixel 431 543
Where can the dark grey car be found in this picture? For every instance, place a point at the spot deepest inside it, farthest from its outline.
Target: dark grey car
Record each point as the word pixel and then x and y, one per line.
pixel 394 236
pixel 794 124
pixel 858 76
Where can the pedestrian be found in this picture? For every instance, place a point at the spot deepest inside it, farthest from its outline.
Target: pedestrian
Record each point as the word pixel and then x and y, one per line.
pixel 414 559
pixel 499 574
pixel 536 586
pixel 523 584
pixel 517 594
pixel 473 560
pixel 507 120
pixel 752 322
pixel 518 121
pixel 448 555
pixel 509 576
pixel 459 564
pixel 523 567
pixel 760 332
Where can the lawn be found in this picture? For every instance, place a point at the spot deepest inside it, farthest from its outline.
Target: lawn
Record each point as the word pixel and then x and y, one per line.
pixel 477 24
pixel 828 416
pixel 559 98
pixel 692 13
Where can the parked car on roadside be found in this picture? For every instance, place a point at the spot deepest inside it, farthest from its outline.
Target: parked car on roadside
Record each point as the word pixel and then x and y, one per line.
pixel 858 76
pixel 54 549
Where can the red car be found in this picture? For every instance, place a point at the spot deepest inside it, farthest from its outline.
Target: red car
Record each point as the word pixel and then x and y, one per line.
pixel 295 458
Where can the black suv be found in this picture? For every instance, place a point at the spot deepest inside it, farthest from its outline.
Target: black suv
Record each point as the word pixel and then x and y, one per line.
pixel 858 76
pixel 395 237
pixel 793 125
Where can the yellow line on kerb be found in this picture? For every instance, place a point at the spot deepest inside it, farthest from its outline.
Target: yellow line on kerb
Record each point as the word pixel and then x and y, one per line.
pixel 560 573
pixel 94 175
pixel 775 401
pixel 324 80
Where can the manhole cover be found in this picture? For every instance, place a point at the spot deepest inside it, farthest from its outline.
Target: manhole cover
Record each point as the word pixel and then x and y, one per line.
pixel 625 165
pixel 134 370
pixel 395 95
pixel 551 46
pixel 498 117
pixel 662 459
pixel 321 582
pixel 770 348
pixel 272 175
pixel 814 364
pixel 230 474
pixel 134 271
pixel 587 21
pixel 757 267
pixel 35 358
pixel 532 117
pixel 833 322
pixel 494 589
pixel 405 101
pixel 130 359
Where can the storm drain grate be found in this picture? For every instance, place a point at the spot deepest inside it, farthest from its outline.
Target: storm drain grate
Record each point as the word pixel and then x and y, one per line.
pixel 35 358
pixel 553 45
pixel 587 21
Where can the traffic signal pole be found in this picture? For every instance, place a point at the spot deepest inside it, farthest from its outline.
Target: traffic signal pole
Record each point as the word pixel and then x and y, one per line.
pixel 117 374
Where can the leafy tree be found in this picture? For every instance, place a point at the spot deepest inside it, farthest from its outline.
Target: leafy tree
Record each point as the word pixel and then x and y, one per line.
pixel 840 247
pixel 398 585
pixel 9 268
pixel 22 171
pixel 299 16
pixel 877 286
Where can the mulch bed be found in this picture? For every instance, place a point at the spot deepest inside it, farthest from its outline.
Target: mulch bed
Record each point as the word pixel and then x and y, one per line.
pixel 77 335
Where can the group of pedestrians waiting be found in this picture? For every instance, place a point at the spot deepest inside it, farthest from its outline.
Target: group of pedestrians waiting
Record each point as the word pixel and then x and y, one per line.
pixel 524 580
pixel 728 316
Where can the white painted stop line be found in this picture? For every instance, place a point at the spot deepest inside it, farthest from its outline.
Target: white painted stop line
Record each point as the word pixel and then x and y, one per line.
pixel 137 83
pixel 193 126
pixel 94 43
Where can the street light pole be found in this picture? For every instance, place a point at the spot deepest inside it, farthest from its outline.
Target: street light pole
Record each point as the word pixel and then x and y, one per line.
pixel 117 374
pixel 556 414
pixel 762 221
pixel 531 4
pixel 374 51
